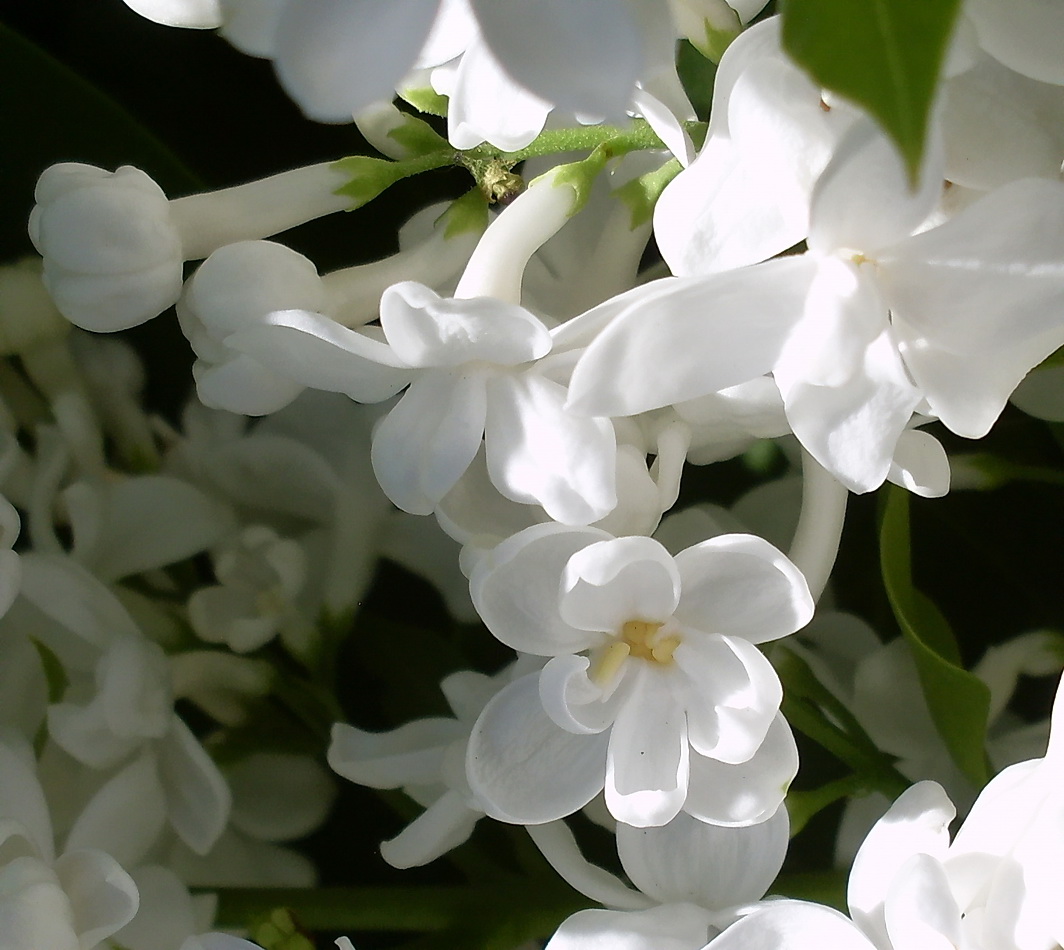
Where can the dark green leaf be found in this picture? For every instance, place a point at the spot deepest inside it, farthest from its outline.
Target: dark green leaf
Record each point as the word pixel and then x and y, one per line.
pixel 884 55
pixel 815 711
pixel 959 701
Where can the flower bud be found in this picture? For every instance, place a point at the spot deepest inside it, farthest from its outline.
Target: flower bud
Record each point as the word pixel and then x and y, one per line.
pixel 112 254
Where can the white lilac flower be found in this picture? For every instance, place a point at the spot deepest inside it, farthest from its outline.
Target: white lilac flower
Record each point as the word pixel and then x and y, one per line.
pixel 118 702
pixel 69 902
pixel 113 244
pixel 868 326
pixel 654 688
pixel 250 285
pixel 472 361
pixel 260 575
pixel 426 759
pixel 695 876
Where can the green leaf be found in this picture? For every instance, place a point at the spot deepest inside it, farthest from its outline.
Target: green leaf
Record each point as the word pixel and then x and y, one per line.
pixel 803 805
pixel 812 709
pixel 959 701
pixel 884 55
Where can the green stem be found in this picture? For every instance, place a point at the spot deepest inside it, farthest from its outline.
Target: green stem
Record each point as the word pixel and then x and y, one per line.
pixel 371 176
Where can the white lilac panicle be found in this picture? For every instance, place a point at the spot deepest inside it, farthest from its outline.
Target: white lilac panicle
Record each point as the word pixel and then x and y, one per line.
pixel 654 688
pixel 870 325
pixel 695 876
pixel 426 758
pixel 114 245
pixel 69 902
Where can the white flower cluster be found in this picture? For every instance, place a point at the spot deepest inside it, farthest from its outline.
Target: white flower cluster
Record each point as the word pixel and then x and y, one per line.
pixel 537 394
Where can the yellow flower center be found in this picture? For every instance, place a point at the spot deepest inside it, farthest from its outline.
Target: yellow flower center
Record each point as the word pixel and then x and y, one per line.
pixel 637 638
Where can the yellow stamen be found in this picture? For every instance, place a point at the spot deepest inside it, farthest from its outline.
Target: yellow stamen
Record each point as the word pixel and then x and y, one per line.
pixel 609 662
pixel 645 643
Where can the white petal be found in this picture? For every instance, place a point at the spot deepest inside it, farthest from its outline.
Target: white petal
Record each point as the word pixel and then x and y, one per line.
pixel 733 695
pixel 411 754
pixel 977 301
pixel 35 910
pixel 526 770
pixel 920 910
pixel 102 896
pixel 749 792
pixel 336 58
pixel 144 523
pixel 611 582
pixel 279 796
pixel 516 590
pixel 1023 35
pixel 538 453
pixel 443 826
pixel 84 733
pixel 920 464
pixel 863 201
pixel 166 915
pixel 22 801
pixel 741 586
pixel 124 818
pixel 714 867
pixel 72 597
pixel 192 14
pixel 425 329
pixel 487 105
pixel 573 700
pixel 580 55
pixel 697 336
pixel 849 412
pixel 672 927
pixel 422 447
pixel 315 351
pixel 999 126
pixel 647 765
pixel 197 796
pixel 917 823
pixel 242 384
pixel 792 925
